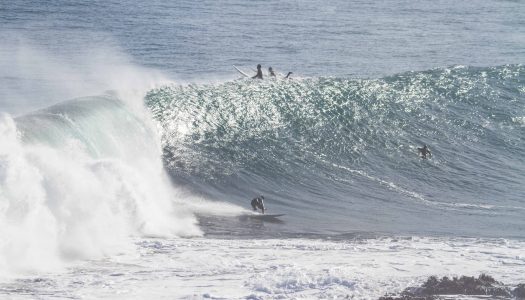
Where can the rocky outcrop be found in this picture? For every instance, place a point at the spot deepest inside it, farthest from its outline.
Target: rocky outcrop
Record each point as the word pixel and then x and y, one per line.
pixel 434 287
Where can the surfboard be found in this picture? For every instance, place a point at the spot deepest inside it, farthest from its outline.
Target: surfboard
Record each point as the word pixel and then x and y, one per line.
pixel 274 215
pixel 265 216
pixel 269 218
pixel 240 71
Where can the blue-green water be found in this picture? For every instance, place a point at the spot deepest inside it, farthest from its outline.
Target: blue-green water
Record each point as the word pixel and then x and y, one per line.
pixel 342 153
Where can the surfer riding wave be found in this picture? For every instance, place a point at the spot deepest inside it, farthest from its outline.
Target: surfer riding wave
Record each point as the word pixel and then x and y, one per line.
pixel 258 203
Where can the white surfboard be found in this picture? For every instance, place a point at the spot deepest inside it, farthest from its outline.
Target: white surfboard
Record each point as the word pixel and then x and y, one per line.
pixel 265 216
pixel 241 71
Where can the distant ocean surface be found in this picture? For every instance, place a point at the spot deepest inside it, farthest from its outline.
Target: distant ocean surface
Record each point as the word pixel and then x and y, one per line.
pixel 131 148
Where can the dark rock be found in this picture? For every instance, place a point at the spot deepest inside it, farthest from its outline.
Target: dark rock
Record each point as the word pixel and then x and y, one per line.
pixel 407 297
pixel 484 285
pixel 519 291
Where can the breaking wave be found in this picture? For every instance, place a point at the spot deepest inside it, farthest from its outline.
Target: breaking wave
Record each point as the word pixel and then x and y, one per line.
pixel 343 152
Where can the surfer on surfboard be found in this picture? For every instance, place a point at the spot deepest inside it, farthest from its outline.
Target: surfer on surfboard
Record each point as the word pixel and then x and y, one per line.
pixel 258 203
pixel 424 151
pixel 259 75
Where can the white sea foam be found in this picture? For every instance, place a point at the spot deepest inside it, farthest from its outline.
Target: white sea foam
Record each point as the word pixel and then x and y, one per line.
pixel 200 268
pixel 79 178
pixel 59 202
pixel 519 120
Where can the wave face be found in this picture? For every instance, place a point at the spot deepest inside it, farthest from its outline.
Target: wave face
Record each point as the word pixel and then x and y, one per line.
pixel 77 179
pixel 340 155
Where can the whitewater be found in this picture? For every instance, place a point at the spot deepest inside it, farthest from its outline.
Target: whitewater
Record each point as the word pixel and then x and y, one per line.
pixel 130 148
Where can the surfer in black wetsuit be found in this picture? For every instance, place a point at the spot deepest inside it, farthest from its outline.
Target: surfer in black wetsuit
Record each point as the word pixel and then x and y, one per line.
pixel 271 72
pixel 258 203
pixel 259 73
pixel 424 151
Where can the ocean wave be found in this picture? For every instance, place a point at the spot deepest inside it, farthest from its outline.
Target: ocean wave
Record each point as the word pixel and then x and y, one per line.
pixel 77 179
pixel 284 137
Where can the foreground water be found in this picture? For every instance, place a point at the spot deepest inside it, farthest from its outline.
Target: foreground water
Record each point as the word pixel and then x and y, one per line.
pixel 274 269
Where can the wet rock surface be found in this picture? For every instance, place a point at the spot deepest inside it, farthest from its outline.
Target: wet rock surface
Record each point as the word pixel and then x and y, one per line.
pixel 435 289
pixel 519 291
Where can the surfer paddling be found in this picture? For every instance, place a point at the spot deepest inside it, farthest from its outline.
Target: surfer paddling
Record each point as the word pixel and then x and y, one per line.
pixel 259 74
pixel 424 152
pixel 271 72
pixel 258 203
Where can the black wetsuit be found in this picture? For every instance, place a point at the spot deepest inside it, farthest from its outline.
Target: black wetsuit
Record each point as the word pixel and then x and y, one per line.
pixel 424 151
pixel 259 74
pixel 258 203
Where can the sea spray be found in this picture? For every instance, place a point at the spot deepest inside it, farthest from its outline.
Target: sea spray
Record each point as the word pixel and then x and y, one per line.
pixel 28 229
pixel 77 179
